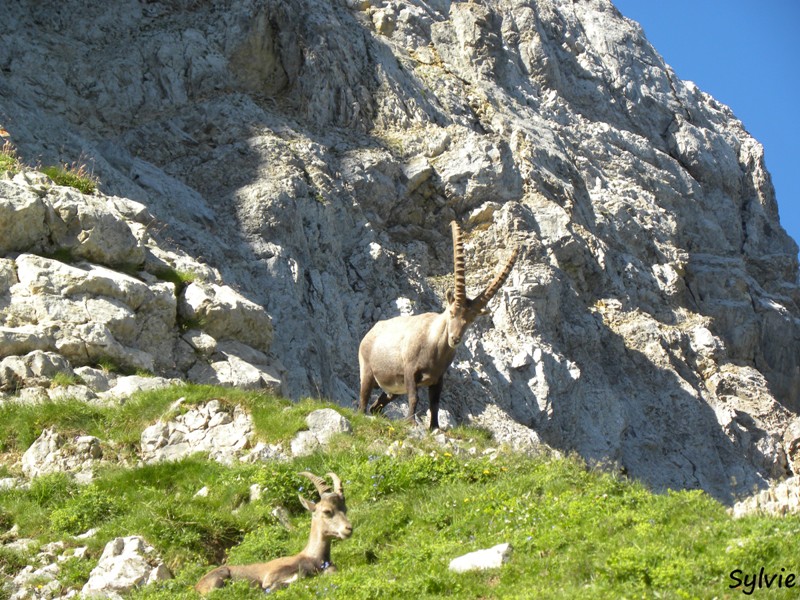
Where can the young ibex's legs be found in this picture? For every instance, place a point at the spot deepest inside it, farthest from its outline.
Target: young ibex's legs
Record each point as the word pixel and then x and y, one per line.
pixel 433 399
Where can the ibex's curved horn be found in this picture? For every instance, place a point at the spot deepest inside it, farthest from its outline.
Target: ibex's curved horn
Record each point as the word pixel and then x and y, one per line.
pixel 318 482
pixel 486 295
pixel 337 483
pixel 459 266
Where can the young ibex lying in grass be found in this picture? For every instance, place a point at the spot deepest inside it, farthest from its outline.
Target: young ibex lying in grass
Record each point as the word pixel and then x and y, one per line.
pixel 328 521
pixel 400 355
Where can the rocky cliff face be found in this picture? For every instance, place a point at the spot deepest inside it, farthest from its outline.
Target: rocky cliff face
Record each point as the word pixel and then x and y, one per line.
pixel 310 154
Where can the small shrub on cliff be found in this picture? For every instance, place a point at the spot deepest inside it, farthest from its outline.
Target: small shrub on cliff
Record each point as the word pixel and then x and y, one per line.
pixel 75 176
pixel 8 158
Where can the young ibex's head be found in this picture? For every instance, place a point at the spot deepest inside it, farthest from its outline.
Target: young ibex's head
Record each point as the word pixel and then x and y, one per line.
pixel 462 310
pixel 330 513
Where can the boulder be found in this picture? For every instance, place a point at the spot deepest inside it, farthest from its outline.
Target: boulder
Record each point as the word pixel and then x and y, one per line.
pixel 481 560
pixel 52 452
pixel 35 368
pixel 223 434
pixel 22 218
pixel 126 563
pixel 779 499
pixel 226 315
pixel 89 314
pixel 322 425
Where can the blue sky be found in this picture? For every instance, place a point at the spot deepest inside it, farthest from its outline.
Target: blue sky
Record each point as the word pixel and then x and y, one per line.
pixel 746 54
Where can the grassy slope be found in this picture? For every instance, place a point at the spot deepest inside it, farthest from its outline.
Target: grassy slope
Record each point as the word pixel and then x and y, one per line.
pixel 574 531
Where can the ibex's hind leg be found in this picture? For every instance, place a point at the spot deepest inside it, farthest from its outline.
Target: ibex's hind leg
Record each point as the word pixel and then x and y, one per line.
pixel 212 580
pixel 367 383
pixel 381 403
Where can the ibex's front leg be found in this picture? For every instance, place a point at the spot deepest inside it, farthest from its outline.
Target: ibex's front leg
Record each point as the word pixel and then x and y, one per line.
pixel 433 399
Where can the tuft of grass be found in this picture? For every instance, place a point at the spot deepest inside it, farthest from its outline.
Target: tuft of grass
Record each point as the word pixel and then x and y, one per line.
pixel 74 176
pixel 178 278
pixel 63 255
pixel 62 379
pixel 21 423
pixel 75 572
pixel 9 161
pixel 11 562
pixel 88 508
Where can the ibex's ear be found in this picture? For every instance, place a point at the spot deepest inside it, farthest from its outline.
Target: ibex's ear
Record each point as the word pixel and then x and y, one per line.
pixel 450 296
pixel 307 504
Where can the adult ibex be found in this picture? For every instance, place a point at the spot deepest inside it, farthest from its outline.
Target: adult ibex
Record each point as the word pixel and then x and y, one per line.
pixel 405 353
pixel 328 521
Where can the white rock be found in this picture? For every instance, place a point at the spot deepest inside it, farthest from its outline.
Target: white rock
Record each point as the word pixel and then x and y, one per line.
pixel 325 423
pixel 304 443
pixel 322 425
pixel 126 386
pixel 52 452
pixel 126 563
pixel 491 558
pixel 208 428
pixel 8 483
pixel 226 314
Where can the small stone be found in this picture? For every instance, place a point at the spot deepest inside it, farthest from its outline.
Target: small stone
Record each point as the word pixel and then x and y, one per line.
pixel 256 491
pixel 491 558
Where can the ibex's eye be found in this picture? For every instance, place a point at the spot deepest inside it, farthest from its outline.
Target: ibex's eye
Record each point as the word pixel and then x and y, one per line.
pixel 327 513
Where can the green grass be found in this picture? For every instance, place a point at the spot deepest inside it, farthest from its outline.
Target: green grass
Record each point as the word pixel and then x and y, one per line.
pixel 62 379
pixel 9 161
pixel 75 176
pixel 179 279
pixel 575 532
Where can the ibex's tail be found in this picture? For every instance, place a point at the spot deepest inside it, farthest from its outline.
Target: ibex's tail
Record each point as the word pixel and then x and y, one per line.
pixel 212 580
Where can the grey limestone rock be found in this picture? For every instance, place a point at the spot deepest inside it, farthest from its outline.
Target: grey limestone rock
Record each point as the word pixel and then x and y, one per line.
pixel 308 156
pixel 52 452
pixel 322 425
pixel 223 434
pixel 126 563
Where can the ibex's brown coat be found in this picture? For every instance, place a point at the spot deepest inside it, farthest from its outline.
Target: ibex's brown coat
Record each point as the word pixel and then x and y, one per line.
pixel 405 353
pixel 328 521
